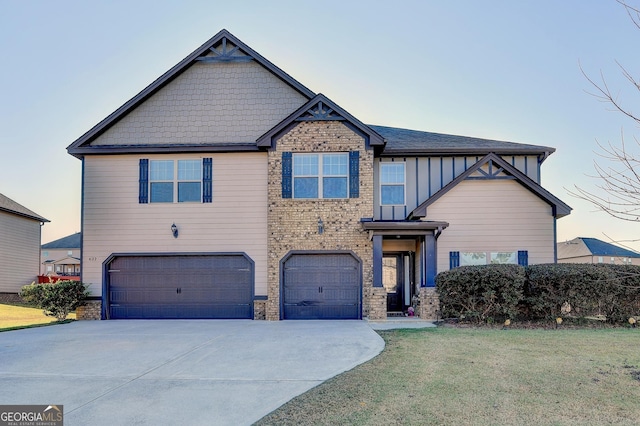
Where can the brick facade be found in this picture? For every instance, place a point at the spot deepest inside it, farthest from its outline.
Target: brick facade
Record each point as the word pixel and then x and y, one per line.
pixel 293 223
pixel 90 311
pixel 429 308
pixel 259 309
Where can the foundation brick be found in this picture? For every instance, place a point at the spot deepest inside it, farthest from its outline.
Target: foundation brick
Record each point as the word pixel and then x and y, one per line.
pixel 90 311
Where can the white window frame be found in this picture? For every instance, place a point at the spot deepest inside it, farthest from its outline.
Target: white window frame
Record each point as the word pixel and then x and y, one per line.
pixel 403 184
pixel 175 181
pixel 320 175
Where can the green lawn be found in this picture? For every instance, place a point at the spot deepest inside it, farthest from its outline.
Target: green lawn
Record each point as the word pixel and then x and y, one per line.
pixel 448 376
pixel 13 316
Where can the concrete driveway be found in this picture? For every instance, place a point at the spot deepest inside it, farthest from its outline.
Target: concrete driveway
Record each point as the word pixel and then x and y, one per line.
pixel 191 372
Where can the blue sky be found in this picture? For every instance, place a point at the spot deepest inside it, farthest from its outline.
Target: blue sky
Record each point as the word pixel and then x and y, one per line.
pixel 495 69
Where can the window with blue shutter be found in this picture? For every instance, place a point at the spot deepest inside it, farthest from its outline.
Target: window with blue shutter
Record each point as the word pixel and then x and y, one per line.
pixel 170 181
pixel 143 191
pixel 354 174
pixel 207 181
pixel 286 174
pixel 523 257
pixel 454 259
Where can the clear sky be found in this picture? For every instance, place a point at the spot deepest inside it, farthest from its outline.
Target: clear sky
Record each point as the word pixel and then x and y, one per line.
pixel 496 69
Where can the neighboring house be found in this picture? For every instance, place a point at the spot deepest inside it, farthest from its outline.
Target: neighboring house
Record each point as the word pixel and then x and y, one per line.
pixel 62 256
pixel 227 189
pixel 20 231
pixel 592 250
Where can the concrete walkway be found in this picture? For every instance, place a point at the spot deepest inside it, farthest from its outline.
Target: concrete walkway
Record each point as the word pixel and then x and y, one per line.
pixel 176 372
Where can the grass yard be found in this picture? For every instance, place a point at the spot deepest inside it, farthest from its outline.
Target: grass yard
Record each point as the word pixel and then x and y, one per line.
pixel 13 316
pixel 449 376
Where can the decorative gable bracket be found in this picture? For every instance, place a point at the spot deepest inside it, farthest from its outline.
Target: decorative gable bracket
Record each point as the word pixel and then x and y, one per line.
pixel 224 53
pixel 321 108
pixel 490 170
pixel 320 112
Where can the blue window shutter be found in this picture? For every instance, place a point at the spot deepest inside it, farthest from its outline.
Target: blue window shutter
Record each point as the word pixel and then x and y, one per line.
pixel 454 259
pixel 354 174
pixel 207 184
pixel 287 168
pixel 523 257
pixel 143 192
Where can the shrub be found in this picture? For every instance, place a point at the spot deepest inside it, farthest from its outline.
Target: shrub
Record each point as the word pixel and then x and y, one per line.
pixel 582 286
pixel 57 299
pixel 481 293
pixel 600 289
pixel 622 298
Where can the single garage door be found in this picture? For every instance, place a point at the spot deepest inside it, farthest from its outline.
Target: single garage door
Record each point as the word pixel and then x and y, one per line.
pixel 181 286
pixel 322 286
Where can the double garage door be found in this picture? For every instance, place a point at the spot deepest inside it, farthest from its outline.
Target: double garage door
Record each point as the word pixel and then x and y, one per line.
pixel 180 286
pixel 321 286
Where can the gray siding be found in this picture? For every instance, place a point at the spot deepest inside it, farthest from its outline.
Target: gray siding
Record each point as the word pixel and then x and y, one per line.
pixel 19 252
pixel 209 103
pixel 425 176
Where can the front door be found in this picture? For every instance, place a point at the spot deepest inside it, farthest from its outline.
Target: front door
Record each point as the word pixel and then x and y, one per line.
pixel 397 272
pixel 392 280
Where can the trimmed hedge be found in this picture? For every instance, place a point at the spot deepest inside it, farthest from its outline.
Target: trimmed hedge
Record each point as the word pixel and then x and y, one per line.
pixel 481 293
pixel 493 292
pixel 56 299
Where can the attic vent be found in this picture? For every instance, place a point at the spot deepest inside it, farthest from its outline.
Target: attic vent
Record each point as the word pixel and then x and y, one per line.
pixel 319 112
pixel 225 52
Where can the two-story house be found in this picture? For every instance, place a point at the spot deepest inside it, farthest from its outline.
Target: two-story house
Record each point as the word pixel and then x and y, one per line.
pixel 227 189
pixel 61 257
pixel 20 233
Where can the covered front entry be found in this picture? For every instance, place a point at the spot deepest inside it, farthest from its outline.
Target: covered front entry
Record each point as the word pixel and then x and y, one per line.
pixel 404 263
pixel 398 279
pixel 321 285
pixel 177 286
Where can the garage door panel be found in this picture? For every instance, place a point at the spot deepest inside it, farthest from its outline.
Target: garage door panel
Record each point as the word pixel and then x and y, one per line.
pixel 181 286
pixel 321 286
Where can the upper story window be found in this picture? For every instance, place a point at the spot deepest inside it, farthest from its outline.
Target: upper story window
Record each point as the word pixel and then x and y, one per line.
pixel 169 181
pixel 321 175
pixel 392 183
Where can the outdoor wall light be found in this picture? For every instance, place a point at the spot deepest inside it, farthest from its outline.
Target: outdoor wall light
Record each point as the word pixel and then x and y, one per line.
pixel 320 226
pixel 174 230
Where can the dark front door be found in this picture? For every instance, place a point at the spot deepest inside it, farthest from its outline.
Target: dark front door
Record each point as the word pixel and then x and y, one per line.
pixel 392 280
pixel 321 286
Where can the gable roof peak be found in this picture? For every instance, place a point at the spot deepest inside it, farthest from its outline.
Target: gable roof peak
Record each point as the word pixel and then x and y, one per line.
pixel 222 47
pixel 560 209
pixel 321 108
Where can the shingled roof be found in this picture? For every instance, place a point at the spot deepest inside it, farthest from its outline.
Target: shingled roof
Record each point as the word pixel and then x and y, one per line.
pixel 415 142
pixel 68 242
pixel 581 246
pixel 10 206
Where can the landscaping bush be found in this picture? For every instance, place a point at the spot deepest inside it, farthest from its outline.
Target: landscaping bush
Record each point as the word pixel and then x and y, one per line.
pixel 481 293
pixel 57 299
pixel 582 286
pixel 536 292
pixel 622 298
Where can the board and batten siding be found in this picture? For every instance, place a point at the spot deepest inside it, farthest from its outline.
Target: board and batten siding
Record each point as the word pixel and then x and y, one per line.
pixel 424 176
pixel 19 252
pixel 494 216
pixel 114 221
pixel 227 102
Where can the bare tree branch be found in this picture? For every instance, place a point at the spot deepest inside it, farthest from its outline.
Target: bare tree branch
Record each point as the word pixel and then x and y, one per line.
pixel 618 171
